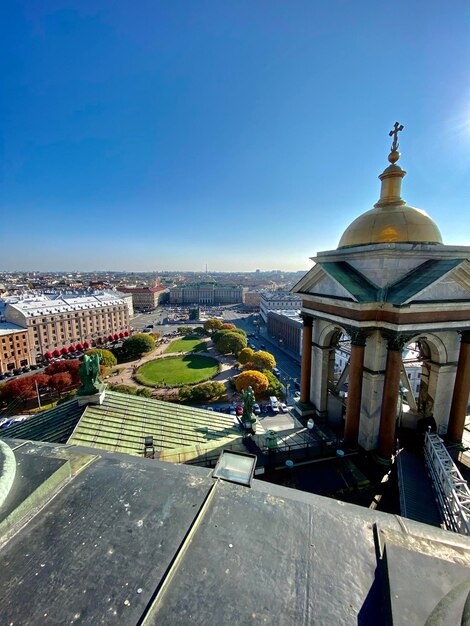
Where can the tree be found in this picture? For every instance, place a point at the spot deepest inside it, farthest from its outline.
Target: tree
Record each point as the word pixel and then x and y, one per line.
pixel 227 326
pixel 65 366
pixel 107 357
pixel 245 355
pixel 231 342
pixel 60 381
pixel 253 378
pixel 262 361
pixel 20 388
pixel 275 387
pixel 194 314
pixel 212 324
pixel 138 344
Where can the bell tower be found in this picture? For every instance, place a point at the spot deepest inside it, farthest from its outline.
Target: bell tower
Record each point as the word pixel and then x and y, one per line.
pixel 390 283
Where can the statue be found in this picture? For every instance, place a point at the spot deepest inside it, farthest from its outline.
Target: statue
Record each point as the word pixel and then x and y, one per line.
pixel 89 372
pixel 248 404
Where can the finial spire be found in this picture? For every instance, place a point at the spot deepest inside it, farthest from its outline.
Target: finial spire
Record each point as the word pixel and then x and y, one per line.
pixel 394 154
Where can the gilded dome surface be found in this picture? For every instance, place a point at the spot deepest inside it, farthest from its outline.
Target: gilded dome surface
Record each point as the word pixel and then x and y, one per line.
pixel 385 224
pixel 391 220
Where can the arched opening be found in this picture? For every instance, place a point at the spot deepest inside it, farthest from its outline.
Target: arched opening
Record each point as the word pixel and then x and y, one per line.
pixel 336 353
pixel 420 384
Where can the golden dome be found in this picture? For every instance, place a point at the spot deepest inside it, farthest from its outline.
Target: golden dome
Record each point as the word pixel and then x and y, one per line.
pixel 400 224
pixel 391 219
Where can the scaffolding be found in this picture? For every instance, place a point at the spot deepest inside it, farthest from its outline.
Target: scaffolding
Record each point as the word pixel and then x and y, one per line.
pixel 451 489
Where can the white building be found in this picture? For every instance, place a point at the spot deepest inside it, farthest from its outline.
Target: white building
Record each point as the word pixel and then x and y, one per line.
pixel 278 301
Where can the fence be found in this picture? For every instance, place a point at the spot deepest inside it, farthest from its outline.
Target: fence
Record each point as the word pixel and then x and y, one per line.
pixel 451 489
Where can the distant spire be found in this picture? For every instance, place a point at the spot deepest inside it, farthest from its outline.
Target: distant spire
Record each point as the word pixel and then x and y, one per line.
pixel 394 154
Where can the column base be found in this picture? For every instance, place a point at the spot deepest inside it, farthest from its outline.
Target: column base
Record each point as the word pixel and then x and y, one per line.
pixel 380 460
pixel 305 409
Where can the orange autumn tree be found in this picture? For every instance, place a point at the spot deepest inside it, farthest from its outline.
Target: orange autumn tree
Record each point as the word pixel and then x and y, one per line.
pixel 251 378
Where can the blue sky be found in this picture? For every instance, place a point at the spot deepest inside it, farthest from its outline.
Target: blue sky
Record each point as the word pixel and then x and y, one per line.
pixel 243 134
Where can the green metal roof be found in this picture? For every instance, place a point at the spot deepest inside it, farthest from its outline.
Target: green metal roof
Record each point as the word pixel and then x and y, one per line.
pixel 53 425
pixel 123 421
pixel 418 279
pixel 399 292
pixel 353 281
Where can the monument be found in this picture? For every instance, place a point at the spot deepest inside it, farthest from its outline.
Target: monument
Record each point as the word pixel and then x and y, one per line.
pixel 92 389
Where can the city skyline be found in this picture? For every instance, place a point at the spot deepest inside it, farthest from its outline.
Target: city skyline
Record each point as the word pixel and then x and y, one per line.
pixel 245 136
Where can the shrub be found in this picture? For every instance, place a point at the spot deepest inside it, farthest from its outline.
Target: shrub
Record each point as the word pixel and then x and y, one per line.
pixel 275 387
pixel 202 393
pixel 107 358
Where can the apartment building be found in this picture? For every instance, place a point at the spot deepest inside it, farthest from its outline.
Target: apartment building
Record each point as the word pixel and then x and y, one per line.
pixel 14 347
pixel 146 298
pixel 278 301
pixel 54 321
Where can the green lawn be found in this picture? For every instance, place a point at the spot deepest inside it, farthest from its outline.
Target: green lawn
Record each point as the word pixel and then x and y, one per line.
pixel 187 344
pixel 175 371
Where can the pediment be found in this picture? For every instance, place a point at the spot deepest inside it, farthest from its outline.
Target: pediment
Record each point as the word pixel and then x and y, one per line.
pixel 455 285
pixel 318 282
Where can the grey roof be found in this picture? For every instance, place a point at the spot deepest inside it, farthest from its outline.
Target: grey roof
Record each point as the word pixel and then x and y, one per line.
pixel 131 541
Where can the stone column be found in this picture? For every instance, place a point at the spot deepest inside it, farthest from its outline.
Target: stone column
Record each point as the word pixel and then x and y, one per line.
pixel 458 409
pixel 388 413
pixel 356 370
pixel 306 368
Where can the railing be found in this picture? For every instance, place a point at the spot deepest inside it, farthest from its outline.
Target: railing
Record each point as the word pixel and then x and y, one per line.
pixel 451 489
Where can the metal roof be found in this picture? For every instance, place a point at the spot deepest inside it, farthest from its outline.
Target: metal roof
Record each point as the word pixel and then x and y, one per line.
pixel 139 541
pixel 123 421
pixel 364 290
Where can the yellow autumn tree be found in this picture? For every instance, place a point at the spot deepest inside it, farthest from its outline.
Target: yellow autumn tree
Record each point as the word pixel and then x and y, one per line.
pixel 254 379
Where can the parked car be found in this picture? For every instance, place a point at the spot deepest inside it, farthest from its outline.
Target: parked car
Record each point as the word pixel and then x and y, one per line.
pixel 232 410
pixel 26 368
pixel 34 366
pixel 239 409
pixel 3 376
pixel 276 372
pixel 283 407
pixel 17 371
pixel 297 395
pixel 256 409
pixel 5 423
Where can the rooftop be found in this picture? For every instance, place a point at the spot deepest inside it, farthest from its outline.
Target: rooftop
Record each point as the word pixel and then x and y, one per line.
pixel 6 328
pixel 123 421
pixel 94 537
pixel 33 305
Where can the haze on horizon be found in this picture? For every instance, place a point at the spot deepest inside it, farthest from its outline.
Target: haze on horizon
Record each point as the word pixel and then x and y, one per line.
pixel 242 135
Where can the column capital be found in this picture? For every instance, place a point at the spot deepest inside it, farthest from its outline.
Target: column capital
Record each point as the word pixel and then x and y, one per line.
pixel 358 336
pixel 307 319
pixel 396 341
